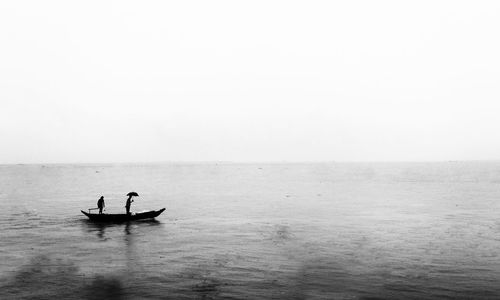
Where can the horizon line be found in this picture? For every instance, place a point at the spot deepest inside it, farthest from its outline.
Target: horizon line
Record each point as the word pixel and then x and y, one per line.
pixel 187 162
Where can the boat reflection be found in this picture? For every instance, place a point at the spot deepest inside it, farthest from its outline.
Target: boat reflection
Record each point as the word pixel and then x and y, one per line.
pixel 104 231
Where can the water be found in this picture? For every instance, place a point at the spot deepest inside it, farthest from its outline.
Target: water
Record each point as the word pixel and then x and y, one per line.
pixel 253 231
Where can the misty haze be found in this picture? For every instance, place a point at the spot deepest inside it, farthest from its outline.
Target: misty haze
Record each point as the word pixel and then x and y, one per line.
pixel 260 150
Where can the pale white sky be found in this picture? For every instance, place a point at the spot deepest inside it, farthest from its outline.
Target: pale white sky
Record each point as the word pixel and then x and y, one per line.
pixel 140 81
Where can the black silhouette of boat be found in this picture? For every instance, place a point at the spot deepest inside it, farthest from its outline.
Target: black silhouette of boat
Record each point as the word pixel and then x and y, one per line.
pixel 123 217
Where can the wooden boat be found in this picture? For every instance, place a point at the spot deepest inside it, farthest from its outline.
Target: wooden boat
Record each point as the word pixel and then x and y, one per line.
pixel 123 217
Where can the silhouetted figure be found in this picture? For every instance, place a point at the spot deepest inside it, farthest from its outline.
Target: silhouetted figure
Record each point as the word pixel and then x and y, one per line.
pixel 127 205
pixel 100 204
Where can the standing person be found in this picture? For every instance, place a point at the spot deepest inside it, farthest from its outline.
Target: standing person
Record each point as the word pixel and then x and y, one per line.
pixel 100 204
pixel 129 202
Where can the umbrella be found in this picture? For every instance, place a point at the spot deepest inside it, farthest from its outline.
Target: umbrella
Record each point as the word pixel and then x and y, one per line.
pixel 132 194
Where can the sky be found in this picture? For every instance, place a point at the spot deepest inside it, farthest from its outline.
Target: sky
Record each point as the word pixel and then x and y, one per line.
pixel 168 81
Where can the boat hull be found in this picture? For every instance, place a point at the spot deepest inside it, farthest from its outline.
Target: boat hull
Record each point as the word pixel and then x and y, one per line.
pixel 123 217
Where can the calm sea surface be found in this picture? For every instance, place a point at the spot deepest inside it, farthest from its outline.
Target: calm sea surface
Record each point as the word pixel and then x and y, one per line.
pixel 253 231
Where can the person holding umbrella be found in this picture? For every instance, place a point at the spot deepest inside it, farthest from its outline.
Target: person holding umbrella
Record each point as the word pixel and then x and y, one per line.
pixel 129 201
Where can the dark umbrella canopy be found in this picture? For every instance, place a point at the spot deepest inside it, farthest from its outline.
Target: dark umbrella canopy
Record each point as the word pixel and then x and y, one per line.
pixel 132 194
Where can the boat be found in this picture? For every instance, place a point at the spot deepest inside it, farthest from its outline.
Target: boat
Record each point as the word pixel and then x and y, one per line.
pixel 123 217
